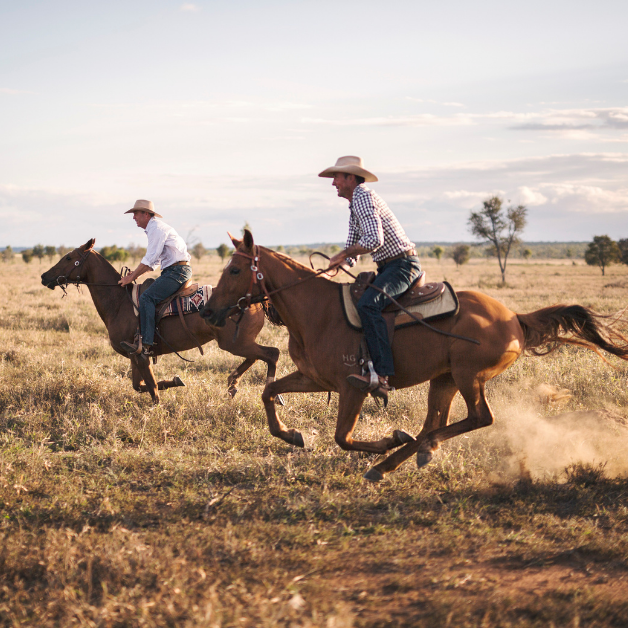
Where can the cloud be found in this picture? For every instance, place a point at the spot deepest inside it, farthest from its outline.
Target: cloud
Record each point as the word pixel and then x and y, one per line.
pixel 528 197
pixel 13 92
pixel 190 8
pixel 569 196
pixel 435 102
pixel 417 120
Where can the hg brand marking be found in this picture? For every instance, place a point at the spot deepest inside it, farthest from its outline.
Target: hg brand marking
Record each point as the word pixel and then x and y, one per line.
pixel 349 360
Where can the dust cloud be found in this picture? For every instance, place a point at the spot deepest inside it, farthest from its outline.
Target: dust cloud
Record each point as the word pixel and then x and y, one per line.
pixel 539 443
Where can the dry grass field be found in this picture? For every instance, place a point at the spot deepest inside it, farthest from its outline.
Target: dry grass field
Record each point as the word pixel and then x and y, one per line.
pixel 117 513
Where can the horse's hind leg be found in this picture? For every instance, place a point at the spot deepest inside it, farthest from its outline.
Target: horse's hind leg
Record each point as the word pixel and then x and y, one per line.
pixel 253 352
pixel 141 387
pixel 442 392
pixel 142 371
pixel 235 375
pixel 479 415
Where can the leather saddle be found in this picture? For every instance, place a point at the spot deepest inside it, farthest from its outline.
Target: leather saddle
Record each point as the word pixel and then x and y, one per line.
pixel 186 290
pixel 418 293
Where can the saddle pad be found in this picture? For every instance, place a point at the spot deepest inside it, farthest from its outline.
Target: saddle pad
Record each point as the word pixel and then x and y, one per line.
pixel 191 304
pixel 446 304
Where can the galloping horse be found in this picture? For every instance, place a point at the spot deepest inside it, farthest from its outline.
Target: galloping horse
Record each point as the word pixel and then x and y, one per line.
pixel 85 266
pixel 321 341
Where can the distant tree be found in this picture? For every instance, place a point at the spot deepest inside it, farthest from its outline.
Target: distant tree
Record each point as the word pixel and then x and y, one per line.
pixel 39 251
pixel 223 250
pixel 50 252
pixel 198 251
pixel 460 254
pixel 27 255
pixel 568 252
pixel 499 228
pixel 527 254
pixel 7 254
pixel 136 251
pixel 602 252
pixel 623 251
pixel 334 248
pixel 114 254
pixel 281 249
pixel 437 252
pixel 246 226
pixel 62 250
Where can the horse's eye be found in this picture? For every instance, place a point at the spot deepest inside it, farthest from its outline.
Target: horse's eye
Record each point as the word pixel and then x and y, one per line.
pixel 68 258
pixel 234 271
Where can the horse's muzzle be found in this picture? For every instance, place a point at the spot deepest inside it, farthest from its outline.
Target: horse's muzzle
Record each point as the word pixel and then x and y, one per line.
pixel 216 318
pixel 49 283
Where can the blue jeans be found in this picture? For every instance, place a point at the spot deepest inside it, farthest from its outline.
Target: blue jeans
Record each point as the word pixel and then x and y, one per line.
pixel 170 280
pixel 395 278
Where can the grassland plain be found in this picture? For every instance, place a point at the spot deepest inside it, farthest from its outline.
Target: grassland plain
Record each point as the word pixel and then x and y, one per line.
pixel 117 513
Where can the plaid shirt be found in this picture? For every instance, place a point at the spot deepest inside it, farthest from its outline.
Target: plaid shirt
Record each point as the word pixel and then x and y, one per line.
pixel 373 226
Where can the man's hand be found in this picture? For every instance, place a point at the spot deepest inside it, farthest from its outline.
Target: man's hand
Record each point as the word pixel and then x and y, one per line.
pixel 132 276
pixel 337 260
pixel 340 259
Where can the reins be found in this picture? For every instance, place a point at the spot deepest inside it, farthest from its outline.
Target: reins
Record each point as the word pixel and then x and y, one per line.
pixel 258 277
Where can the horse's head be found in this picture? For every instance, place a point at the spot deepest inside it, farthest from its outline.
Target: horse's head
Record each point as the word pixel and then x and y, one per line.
pixel 236 284
pixel 70 268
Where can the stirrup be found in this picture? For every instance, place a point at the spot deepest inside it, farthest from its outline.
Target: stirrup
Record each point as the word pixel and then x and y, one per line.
pixel 132 349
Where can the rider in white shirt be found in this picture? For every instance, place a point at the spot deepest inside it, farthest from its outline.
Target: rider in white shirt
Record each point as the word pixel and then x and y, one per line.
pixel 167 249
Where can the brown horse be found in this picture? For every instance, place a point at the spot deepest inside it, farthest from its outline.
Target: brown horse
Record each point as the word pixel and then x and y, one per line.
pixel 85 266
pixel 323 348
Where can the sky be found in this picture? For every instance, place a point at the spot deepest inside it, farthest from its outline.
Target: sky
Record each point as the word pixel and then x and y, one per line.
pixel 223 113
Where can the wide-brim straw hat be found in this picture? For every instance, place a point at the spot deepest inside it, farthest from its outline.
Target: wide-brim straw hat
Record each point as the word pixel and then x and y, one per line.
pixel 144 206
pixel 349 165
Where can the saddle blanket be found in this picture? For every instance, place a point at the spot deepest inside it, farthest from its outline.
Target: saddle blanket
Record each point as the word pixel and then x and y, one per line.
pixel 191 304
pixel 444 305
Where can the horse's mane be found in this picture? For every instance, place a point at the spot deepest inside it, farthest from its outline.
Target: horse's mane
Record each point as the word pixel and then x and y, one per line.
pixel 102 259
pixel 292 263
pixel 272 314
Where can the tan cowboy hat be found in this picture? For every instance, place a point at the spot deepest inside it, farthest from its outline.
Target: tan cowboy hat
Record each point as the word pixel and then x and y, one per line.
pixel 144 206
pixel 349 165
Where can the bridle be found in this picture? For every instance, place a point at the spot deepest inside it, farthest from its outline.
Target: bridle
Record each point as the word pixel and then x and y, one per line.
pixel 63 281
pixel 257 277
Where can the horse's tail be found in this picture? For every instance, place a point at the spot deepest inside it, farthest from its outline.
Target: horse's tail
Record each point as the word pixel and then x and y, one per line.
pixel 550 327
pixel 272 314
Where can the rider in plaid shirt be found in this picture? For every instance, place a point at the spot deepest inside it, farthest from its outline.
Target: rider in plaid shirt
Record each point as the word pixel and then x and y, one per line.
pixel 373 229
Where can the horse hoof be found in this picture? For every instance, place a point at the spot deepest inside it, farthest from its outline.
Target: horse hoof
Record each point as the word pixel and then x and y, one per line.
pixel 232 392
pixel 423 458
pixel 297 439
pixel 176 380
pixel 373 475
pixel 401 437
pixel 279 400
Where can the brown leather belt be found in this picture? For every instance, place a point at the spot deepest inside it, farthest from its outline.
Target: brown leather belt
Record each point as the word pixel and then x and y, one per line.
pixel 410 253
pixel 180 264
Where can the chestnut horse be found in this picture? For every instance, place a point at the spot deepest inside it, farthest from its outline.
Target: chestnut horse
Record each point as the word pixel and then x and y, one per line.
pixel 323 348
pixel 85 266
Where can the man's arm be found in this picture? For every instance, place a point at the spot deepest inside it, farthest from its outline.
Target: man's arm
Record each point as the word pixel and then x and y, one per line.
pixel 132 276
pixel 340 259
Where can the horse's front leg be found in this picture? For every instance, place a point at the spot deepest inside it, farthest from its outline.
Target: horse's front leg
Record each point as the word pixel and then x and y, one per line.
pixel 349 405
pixel 295 382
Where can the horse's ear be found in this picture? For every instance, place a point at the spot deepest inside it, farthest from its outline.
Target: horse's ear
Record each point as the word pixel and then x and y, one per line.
pixel 235 241
pixel 248 239
pixel 89 245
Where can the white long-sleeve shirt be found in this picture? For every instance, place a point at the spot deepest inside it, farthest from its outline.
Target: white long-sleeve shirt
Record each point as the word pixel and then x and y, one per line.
pixel 165 246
